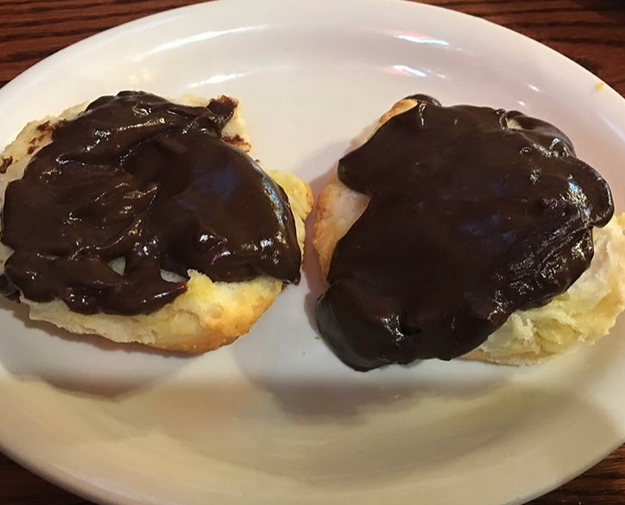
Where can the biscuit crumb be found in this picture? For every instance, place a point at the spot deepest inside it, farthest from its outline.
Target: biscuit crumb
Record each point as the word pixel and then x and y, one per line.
pixel 599 86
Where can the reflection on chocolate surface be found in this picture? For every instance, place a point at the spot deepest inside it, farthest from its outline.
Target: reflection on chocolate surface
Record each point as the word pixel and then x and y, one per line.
pixel 474 213
pixel 149 181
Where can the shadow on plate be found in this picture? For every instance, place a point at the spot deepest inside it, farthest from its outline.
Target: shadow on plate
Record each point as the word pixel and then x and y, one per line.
pixel 82 364
pixel 236 429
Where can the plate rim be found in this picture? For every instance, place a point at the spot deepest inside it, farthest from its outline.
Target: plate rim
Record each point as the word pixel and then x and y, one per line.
pixel 85 489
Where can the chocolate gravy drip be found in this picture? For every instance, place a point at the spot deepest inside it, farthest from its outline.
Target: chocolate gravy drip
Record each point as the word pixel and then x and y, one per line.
pixel 474 213
pixel 140 178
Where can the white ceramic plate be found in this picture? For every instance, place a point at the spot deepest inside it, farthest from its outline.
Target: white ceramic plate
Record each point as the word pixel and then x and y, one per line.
pixel 276 418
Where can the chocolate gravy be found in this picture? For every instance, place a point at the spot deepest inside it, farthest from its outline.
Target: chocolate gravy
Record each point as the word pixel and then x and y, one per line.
pixel 474 213
pixel 151 182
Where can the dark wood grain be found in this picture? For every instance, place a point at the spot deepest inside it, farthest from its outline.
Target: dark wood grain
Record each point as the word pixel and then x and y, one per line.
pixel 591 32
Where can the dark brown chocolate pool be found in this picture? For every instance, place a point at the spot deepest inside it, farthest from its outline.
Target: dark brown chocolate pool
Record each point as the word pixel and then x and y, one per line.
pixel 140 178
pixel 474 213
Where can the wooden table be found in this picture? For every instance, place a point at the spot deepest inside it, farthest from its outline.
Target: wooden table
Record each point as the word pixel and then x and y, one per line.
pixel 591 32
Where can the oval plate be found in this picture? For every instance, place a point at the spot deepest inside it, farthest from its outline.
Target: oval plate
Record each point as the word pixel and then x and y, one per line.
pixel 276 418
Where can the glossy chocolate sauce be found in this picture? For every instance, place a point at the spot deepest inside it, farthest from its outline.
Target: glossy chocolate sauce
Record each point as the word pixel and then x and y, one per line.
pixel 474 213
pixel 140 178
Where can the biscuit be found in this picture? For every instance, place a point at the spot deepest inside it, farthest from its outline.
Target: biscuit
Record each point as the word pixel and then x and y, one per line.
pixel 583 314
pixel 208 314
